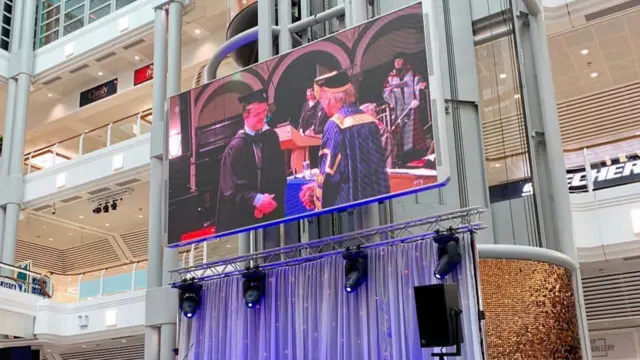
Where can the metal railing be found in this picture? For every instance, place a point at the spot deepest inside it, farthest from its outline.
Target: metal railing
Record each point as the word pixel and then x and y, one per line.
pixel 25 281
pixel 89 141
pixel 59 18
pixel 72 288
pixel 119 279
pixel 463 220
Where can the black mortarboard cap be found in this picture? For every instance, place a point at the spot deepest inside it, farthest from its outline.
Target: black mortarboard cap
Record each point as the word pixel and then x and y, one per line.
pixel 258 96
pixel 334 80
pixel 400 55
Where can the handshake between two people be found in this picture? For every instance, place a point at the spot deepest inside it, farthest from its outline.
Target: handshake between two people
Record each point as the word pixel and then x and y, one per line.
pixel 266 206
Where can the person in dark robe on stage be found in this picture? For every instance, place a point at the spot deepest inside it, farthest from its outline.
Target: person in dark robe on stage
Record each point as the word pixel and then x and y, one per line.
pixel 352 164
pixel 252 171
pixel 313 118
pixel 402 91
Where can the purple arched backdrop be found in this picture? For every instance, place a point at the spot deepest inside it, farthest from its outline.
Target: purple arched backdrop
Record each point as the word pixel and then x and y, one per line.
pixel 244 76
pixel 373 30
pixel 326 46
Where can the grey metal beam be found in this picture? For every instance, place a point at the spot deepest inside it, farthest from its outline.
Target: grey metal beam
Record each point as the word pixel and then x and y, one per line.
pixel 265 22
pixel 491 36
pixel 359 13
pixel 533 6
pixel 174 80
pixel 319 18
pixel 156 183
pixel 22 66
pixel 284 20
pixel 559 195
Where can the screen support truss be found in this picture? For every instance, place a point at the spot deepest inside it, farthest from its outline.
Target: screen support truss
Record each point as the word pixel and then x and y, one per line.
pixel 463 220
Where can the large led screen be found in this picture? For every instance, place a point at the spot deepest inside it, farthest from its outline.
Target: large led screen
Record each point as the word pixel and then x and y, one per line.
pixel 339 122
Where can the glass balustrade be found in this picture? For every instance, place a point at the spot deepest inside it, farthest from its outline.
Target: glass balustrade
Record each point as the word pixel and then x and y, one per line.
pixel 100 283
pixel 59 18
pixel 88 142
pixel 132 277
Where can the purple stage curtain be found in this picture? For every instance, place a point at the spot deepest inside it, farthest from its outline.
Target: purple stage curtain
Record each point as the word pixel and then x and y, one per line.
pixel 306 314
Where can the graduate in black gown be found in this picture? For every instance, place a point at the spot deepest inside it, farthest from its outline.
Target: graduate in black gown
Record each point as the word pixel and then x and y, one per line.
pixel 353 159
pixel 252 171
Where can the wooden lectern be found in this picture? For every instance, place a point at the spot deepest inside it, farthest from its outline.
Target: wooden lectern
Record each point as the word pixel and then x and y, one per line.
pixel 292 139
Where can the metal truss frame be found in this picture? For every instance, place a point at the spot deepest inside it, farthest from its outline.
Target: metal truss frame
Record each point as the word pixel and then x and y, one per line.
pixel 461 221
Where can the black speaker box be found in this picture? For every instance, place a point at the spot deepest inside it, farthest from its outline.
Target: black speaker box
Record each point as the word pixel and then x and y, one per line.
pixel 434 306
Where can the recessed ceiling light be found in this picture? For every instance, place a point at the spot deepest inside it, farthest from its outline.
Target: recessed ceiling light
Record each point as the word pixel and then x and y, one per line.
pixel 140 216
pixel 228 245
pixel 80 217
pixel 137 58
pixel 100 73
pixel 71 234
pixel 45 226
pixel 50 239
pixel 124 340
pixel 503 76
pixel 197 31
pixel 584 51
pixel 49 94
pixel 497 165
pixel 84 346
pixel 106 224
pixel 594 75
pixel 516 96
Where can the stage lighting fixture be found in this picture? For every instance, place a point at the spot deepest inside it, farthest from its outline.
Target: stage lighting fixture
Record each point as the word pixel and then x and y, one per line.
pixel 114 205
pixel 105 208
pixel 189 298
pixel 97 209
pixel 253 286
pixel 355 269
pixel 448 253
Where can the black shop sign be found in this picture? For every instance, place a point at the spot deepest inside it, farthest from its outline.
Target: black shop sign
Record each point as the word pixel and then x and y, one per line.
pixel 99 92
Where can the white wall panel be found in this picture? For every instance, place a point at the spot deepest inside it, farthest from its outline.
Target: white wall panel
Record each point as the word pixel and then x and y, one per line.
pixel 4 64
pixel 98 34
pixel 602 222
pixel 88 169
pixel 62 320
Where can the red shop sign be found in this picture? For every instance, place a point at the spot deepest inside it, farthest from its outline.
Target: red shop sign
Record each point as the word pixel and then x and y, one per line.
pixel 143 75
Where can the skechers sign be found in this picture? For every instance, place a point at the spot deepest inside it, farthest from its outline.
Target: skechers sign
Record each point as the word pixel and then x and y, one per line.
pixel 604 175
pixel 10 284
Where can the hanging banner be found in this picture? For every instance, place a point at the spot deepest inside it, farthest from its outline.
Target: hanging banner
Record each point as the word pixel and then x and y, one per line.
pixel 268 144
pixel 99 92
pixel 11 284
pixel 143 75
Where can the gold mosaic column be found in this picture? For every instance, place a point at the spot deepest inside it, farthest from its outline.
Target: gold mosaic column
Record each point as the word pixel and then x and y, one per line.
pixel 530 311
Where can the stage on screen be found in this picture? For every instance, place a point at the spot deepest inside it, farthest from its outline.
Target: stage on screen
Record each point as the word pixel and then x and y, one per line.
pixel 335 123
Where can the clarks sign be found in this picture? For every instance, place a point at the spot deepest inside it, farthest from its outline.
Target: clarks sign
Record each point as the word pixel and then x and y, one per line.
pixel 99 92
